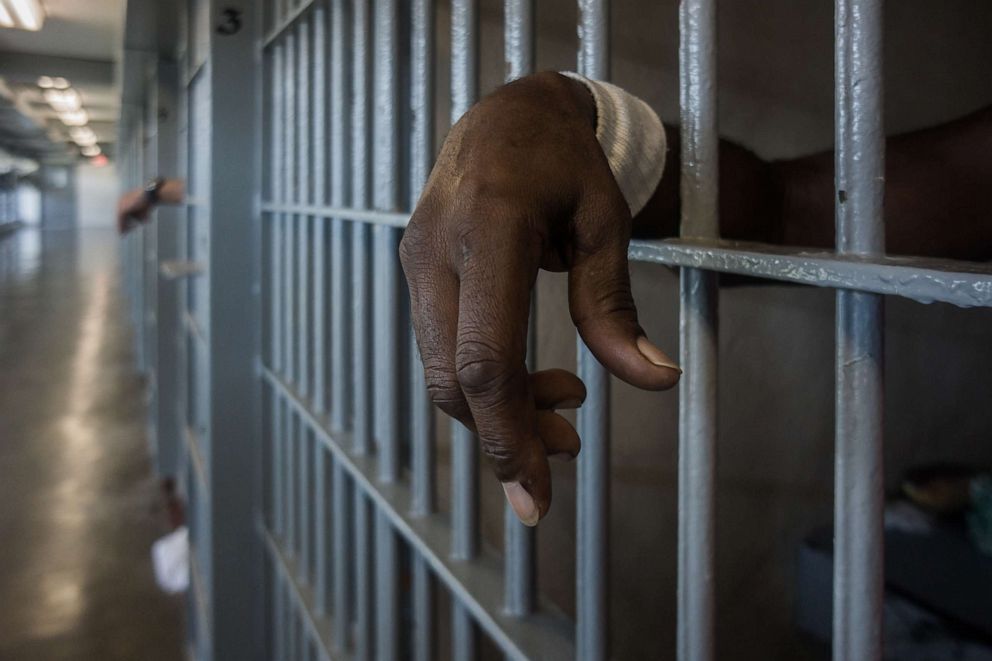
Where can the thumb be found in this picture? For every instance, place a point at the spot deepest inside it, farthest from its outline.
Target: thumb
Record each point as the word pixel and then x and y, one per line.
pixel 601 304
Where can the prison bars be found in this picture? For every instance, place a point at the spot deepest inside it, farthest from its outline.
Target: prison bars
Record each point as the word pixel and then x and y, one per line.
pixel 471 582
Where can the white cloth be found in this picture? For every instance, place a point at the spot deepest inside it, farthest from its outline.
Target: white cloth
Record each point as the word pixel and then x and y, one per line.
pixel 632 137
pixel 170 558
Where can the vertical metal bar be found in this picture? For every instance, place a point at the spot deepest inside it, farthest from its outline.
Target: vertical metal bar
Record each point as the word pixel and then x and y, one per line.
pixel 593 482
pixel 319 188
pixel 387 611
pixel 386 191
pixel 320 527
pixel 363 578
pixel 518 556
pixel 422 103
pixel 276 220
pixel 340 175
pixel 423 611
pixel 698 333
pixel 342 559
pixel 361 311
pixel 858 477
pixel 464 637
pixel 423 453
pixel 464 444
pixel 291 465
pixel 303 118
pixel 306 440
pixel 319 304
pixel 362 366
pixel 385 134
pixel 279 456
pixel 290 191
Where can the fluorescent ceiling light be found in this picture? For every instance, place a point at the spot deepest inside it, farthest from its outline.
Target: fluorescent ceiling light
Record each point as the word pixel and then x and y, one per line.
pixel 90 150
pixel 6 20
pixel 60 83
pixel 44 82
pixel 75 118
pixel 63 100
pixel 29 13
pixel 83 136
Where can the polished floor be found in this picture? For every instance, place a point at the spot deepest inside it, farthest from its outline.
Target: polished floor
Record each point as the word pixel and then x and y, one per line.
pixel 79 508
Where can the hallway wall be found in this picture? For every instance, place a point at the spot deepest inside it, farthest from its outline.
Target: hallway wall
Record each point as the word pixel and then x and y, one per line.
pixel 97 189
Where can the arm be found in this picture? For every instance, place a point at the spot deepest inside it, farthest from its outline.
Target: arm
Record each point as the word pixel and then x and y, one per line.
pixel 937 199
pixel 135 205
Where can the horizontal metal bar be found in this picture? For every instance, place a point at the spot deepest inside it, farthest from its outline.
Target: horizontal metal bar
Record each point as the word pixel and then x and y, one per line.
pixel 966 284
pixel 391 218
pixel 478 583
pixel 286 24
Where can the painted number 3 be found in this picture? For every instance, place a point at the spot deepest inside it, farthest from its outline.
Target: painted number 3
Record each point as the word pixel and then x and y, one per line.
pixel 230 21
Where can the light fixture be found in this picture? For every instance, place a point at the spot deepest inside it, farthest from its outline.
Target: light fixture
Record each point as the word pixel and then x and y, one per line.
pixel 60 83
pixel 90 150
pixel 45 82
pixel 6 20
pixel 66 100
pixel 74 117
pixel 28 13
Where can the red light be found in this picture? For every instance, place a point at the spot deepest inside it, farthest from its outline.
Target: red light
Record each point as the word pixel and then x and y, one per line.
pixel 99 160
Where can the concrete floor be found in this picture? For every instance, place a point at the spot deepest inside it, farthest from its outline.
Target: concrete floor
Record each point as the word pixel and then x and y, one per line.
pixel 79 507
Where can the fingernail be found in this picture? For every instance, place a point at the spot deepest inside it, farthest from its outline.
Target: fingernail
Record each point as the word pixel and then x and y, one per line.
pixel 522 503
pixel 655 355
pixel 569 404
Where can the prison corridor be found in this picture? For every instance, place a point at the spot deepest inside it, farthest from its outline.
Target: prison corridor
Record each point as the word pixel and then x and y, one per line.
pixel 81 507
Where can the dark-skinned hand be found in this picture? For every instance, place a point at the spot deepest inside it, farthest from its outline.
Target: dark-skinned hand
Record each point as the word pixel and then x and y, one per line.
pixel 521 184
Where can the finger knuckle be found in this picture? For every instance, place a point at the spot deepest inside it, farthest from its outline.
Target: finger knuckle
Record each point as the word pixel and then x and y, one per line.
pixel 482 367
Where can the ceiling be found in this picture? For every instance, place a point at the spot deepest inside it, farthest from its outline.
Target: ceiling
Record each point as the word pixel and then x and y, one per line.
pixel 80 41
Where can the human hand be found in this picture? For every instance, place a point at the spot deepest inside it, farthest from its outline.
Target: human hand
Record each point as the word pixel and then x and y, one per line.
pixel 522 184
pixel 132 209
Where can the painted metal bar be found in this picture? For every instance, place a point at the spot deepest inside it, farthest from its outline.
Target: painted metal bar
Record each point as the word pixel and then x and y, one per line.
pixel 361 316
pixel 593 480
pixel 320 551
pixel 385 133
pixel 922 280
pixel 545 634
pixel 464 636
pixel 363 577
pixel 518 556
pixel 342 559
pixel 303 118
pixel 858 473
pixel 340 183
pixel 697 333
pixel 290 465
pixel 353 213
pixel 278 228
pixel 387 607
pixel 319 192
pixel 304 446
pixel 464 444
pixel 423 452
pixel 290 191
pixel 422 103
pixel 361 309
pixel 278 457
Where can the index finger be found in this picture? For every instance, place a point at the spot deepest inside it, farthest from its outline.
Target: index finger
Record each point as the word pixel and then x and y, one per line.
pixel 496 276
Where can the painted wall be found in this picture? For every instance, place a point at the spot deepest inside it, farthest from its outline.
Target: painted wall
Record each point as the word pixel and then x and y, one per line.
pixel 775 475
pixel 97 190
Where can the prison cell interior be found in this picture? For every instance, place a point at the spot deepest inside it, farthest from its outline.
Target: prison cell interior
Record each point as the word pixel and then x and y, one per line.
pixel 307 449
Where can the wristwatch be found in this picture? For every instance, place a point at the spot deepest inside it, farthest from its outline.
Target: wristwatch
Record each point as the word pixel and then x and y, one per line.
pixel 152 189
